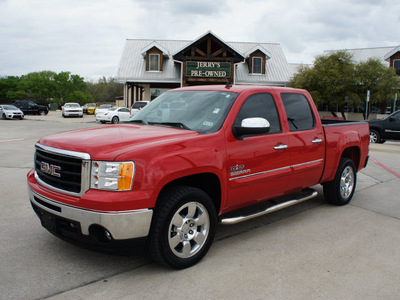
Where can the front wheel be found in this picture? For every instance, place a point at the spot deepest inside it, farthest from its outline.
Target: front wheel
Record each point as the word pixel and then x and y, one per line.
pixel 183 227
pixel 341 189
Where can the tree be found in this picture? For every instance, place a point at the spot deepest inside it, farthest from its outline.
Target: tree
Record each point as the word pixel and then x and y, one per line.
pixel 335 81
pixel 381 81
pixel 37 86
pixel 105 90
pixel 9 89
pixel 329 81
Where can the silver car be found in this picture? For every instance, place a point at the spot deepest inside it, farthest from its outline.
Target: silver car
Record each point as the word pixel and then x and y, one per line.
pixel 72 110
pixel 10 112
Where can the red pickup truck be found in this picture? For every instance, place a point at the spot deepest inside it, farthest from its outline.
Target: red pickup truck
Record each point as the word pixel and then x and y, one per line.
pixel 191 158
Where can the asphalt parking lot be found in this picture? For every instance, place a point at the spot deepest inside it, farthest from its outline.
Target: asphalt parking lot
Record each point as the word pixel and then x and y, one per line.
pixel 309 251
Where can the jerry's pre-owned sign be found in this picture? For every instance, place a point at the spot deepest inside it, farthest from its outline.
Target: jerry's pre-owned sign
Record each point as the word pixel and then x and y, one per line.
pixel 208 69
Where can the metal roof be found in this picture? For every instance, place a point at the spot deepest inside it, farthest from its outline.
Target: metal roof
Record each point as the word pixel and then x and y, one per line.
pixel 132 66
pixel 363 54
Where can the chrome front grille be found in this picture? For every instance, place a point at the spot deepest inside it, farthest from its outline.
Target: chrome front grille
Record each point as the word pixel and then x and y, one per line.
pixel 62 170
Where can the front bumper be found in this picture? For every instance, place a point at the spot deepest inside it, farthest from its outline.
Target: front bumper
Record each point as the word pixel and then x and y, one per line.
pixel 14 115
pixel 58 217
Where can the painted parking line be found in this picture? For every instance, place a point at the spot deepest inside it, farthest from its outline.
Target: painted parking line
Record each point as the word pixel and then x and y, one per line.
pixel 17 140
pixel 386 168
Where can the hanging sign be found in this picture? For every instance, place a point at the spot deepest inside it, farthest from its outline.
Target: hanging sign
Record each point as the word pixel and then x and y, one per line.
pixel 208 69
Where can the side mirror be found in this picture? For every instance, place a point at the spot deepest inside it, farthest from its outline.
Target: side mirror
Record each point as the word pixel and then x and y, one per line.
pixel 251 126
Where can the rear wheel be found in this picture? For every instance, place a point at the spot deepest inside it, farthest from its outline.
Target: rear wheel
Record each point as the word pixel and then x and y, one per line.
pixel 183 227
pixel 340 190
pixel 115 120
pixel 374 136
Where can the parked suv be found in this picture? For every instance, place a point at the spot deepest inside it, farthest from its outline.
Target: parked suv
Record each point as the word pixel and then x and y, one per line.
pixel 385 129
pixel 31 108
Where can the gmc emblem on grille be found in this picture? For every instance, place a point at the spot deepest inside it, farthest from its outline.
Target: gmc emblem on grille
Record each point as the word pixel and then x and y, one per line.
pixel 50 169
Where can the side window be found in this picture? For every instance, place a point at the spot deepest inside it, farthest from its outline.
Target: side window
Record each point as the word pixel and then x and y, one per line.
pixel 298 112
pixel 261 106
pixel 396 65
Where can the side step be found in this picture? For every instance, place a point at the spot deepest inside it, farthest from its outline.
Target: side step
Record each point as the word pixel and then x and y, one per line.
pixel 267 207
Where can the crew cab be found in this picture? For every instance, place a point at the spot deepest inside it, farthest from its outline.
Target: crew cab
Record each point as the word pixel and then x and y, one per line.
pixel 191 158
pixel 31 108
pixel 385 129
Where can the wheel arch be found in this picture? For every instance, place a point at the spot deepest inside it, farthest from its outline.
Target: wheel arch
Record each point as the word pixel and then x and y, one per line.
pixel 352 153
pixel 207 182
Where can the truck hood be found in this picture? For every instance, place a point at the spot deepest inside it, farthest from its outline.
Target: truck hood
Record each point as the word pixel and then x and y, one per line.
pixel 107 143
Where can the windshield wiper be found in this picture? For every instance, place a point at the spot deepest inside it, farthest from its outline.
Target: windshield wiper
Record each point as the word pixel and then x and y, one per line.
pixel 139 121
pixel 171 124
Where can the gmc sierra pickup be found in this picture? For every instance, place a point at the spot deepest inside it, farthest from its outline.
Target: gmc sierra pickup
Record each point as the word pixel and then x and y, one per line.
pixel 191 158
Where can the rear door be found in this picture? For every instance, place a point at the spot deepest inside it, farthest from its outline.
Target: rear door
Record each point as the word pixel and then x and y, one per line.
pixel 258 166
pixel 306 141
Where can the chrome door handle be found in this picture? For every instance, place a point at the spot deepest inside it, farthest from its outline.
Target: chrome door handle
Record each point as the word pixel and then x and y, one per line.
pixel 280 147
pixel 317 141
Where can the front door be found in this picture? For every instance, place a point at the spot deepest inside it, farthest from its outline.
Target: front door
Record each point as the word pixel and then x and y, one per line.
pixel 124 114
pixel 392 126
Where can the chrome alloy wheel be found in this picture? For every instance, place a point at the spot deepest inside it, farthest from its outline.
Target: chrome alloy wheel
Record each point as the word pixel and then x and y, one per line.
pixel 373 138
pixel 188 229
pixel 347 182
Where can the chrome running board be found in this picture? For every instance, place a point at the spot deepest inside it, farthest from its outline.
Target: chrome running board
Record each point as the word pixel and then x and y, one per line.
pixel 272 205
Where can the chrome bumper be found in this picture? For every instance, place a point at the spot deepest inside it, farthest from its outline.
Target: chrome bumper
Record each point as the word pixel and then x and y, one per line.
pixel 122 225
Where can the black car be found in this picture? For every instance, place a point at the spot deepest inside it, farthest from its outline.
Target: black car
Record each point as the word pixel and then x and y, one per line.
pixel 31 108
pixel 385 129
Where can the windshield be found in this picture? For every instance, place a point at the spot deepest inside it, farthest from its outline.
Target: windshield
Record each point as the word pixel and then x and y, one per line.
pixel 9 107
pixel 139 104
pixel 72 105
pixel 201 111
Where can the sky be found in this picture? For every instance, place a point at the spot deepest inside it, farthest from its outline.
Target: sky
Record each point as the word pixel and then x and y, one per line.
pixel 87 37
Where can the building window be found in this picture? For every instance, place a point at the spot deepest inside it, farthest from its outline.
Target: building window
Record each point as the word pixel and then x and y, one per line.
pixel 257 65
pixel 396 66
pixel 154 63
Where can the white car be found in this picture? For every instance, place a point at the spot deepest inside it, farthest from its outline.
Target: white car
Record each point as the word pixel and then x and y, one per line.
pixel 114 115
pixel 137 106
pixel 10 112
pixel 102 108
pixel 72 110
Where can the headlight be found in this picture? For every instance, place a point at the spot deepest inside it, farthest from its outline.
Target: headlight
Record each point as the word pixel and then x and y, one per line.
pixel 113 176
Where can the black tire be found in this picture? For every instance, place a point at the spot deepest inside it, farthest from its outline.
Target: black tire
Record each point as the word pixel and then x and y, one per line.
pixel 115 120
pixel 341 189
pixel 183 227
pixel 102 122
pixel 374 136
pixel 42 113
pixel 3 116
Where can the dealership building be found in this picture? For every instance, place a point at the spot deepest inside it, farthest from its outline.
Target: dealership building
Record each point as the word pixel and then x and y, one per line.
pixel 150 67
